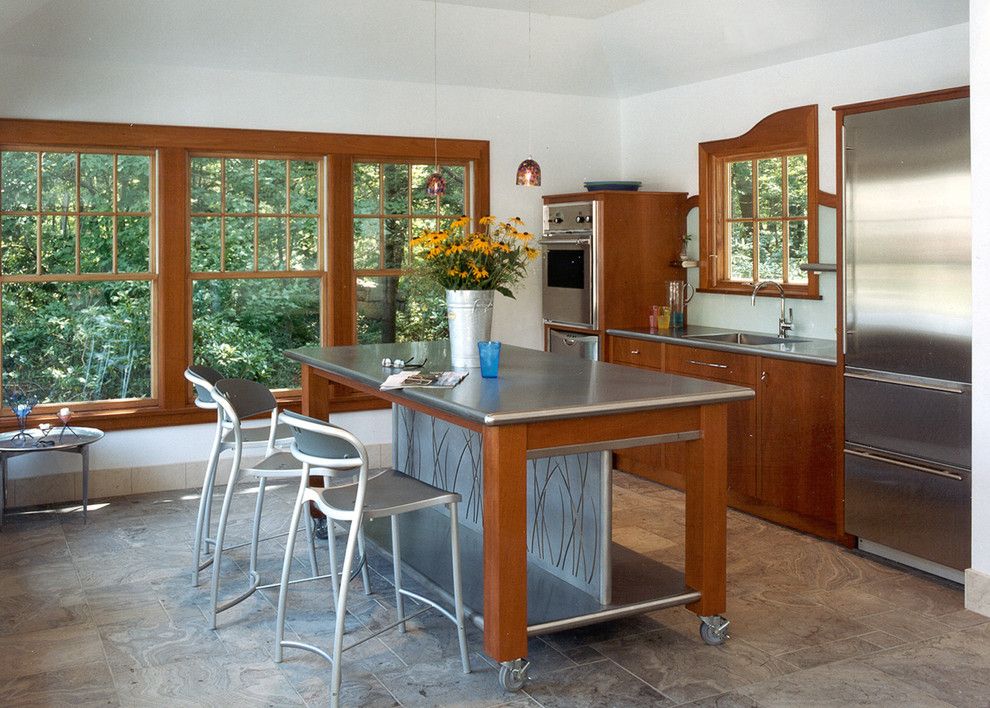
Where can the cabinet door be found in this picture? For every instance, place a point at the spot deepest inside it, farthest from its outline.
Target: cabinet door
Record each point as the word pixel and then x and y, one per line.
pixel 797 404
pixel 641 461
pixel 729 367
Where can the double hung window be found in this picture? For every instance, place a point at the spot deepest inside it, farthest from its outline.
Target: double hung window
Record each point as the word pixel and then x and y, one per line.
pixel 77 273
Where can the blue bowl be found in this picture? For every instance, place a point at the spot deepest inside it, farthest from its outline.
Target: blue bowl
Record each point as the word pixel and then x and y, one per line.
pixel 612 186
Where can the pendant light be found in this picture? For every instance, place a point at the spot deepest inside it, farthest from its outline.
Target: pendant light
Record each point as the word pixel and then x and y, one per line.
pixel 436 185
pixel 528 173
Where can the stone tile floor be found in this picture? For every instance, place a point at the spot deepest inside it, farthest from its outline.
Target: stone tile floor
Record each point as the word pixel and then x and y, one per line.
pixel 104 613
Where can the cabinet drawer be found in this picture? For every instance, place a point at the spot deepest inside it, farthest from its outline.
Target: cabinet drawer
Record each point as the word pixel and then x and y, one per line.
pixel 637 352
pixel 711 364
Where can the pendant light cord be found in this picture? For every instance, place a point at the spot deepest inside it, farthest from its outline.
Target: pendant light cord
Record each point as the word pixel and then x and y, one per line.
pixel 529 70
pixel 436 101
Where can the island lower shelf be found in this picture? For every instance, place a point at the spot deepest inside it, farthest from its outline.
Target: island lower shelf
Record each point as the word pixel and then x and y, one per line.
pixel 639 583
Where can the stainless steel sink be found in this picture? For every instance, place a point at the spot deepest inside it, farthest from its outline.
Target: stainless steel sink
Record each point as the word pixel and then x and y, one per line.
pixel 753 340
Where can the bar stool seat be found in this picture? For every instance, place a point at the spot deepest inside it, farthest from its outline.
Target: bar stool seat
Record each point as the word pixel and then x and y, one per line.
pixel 390 492
pixel 356 496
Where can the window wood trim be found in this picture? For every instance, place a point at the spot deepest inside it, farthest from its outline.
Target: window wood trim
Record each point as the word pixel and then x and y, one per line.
pixel 790 131
pixel 172 298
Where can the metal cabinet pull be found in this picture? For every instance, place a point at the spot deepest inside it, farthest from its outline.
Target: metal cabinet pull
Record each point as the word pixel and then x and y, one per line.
pixel 634 351
pixel 909 465
pixel 708 363
pixel 567 242
pixel 763 376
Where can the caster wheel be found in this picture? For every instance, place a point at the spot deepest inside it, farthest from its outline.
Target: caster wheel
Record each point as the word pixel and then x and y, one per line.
pixel 512 675
pixel 714 635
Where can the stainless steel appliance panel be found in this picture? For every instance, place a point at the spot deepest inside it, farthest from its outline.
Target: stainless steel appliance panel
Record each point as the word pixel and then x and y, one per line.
pixel 582 346
pixel 921 513
pixel 922 418
pixel 569 273
pixel 907 243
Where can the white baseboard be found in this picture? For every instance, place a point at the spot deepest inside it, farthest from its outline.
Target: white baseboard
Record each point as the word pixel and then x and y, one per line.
pixel 39 490
pixel 978 591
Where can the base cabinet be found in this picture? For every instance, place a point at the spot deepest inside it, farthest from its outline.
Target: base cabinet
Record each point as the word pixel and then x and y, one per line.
pixel 781 456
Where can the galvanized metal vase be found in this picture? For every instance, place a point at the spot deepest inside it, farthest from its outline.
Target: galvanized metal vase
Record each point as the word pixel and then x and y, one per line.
pixel 469 320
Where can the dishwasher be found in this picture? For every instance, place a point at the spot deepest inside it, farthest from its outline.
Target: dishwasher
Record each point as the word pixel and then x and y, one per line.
pixel 574 344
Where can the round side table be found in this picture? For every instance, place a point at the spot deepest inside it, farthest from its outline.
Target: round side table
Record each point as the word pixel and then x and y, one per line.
pixel 59 439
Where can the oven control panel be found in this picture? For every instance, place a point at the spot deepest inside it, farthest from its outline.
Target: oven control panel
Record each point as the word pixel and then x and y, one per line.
pixel 568 218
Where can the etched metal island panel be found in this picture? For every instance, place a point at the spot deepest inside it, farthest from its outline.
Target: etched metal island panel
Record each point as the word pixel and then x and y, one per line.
pixel 564 498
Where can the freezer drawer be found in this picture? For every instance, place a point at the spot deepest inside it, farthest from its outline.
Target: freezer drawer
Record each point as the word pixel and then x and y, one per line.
pixel 913 417
pixel 923 513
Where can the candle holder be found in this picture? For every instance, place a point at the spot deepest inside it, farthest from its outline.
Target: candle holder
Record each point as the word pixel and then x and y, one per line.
pixel 21 404
pixel 65 415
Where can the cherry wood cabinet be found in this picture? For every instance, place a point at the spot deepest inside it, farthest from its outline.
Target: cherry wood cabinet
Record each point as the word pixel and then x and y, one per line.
pixel 639 239
pixel 781 457
pixel 797 437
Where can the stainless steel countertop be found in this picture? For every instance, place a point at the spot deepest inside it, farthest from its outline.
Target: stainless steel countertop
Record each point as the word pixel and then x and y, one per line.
pixel 532 385
pixel 814 351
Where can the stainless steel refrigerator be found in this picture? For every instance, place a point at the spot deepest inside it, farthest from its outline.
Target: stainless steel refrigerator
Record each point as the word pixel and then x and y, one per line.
pixel 908 333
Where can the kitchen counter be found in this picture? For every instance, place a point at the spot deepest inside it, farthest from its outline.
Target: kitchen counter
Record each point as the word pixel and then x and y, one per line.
pixel 531 386
pixel 814 351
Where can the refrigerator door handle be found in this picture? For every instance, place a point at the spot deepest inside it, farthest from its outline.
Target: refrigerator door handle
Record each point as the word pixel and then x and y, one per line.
pixel 903 382
pixel 900 463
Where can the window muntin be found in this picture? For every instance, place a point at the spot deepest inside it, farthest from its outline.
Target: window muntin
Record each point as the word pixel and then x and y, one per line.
pixel 390 207
pixel 77 233
pixel 767 237
pixel 256 260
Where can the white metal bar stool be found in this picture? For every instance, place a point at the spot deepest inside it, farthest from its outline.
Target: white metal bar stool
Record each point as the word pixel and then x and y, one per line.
pixel 203 379
pixel 355 499
pixel 240 399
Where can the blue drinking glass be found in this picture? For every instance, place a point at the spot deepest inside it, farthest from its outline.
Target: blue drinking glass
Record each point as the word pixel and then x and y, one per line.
pixel 489 351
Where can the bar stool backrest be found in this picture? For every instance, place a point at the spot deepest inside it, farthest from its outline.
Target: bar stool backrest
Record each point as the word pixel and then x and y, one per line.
pixel 243 398
pixel 203 379
pixel 321 444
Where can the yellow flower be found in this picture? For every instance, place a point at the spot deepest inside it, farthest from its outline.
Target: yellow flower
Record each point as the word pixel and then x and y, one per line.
pixel 486 220
pixel 517 221
pixel 460 223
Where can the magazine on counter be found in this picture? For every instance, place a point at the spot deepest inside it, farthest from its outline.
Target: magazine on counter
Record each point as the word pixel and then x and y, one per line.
pixel 423 379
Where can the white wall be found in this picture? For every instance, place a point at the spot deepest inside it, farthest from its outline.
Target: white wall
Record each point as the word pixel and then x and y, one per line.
pixel 574 138
pixel 661 132
pixel 978 581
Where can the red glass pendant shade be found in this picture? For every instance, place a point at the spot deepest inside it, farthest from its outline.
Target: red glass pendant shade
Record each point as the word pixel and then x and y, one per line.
pixel 436 185
pixel 528 174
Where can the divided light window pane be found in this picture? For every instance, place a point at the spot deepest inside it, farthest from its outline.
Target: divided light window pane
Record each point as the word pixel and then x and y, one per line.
pixel 764 236
pixel 390 208
pixel 76 298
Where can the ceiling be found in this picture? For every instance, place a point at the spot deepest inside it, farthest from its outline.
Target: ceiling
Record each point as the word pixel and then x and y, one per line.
pixel 587 9
pixel 610 48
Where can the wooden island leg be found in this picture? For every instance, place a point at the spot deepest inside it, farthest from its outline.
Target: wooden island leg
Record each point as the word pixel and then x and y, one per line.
pixel 705 501
pixel 315 393
pixel 504 459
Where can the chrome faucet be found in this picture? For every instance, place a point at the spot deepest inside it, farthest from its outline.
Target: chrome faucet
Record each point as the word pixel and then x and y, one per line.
pixel 786 322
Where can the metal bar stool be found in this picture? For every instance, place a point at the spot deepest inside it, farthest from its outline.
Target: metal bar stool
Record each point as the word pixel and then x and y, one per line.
pixel 356 499
pixel 239 399
pixel 203 379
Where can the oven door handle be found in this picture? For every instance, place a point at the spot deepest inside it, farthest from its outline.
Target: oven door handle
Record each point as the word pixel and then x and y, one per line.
pixel 566 242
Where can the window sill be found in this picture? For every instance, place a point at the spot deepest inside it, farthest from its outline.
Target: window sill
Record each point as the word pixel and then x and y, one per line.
pixel 747 290
pixel 138 417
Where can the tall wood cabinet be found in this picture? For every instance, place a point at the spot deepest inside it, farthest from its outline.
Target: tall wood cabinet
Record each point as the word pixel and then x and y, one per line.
pixel 639 237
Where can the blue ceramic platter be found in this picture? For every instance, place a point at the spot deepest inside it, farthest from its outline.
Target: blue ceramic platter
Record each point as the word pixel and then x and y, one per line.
pixel 613 186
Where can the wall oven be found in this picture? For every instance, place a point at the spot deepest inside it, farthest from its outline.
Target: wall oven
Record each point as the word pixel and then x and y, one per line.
pixel 569 274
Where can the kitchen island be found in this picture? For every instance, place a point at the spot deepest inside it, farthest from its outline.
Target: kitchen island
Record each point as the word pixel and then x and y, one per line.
pixel 549 420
